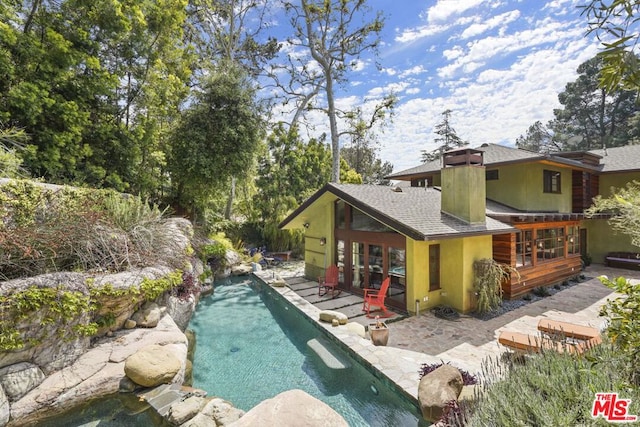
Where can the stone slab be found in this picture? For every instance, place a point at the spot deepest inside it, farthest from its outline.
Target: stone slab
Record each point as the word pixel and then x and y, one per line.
pixel 328 353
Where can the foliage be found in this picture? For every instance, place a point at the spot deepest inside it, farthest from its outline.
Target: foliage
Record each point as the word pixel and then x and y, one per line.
pixel 447 139
pixel 334 33
pixel 75 312
pixel 541 291
pixel 624 207
pixel 12 142
pixel 538 139
pixel 71 228
pixel 624 322
pixel 95 85
pixel 614 23
pixel 187 287
pixel 467 378
pixel 550 389
pixel 488 278
pixel 218 137
pixel 590 118
pixel 287 175
pixel 48 306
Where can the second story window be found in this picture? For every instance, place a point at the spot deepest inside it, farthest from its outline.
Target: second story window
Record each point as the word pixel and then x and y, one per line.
pixel 492 175
pixel 551 181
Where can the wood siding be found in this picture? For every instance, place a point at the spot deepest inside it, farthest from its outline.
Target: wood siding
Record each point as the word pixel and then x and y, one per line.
pixel 504 248
pixel 544 274
pixel 584 187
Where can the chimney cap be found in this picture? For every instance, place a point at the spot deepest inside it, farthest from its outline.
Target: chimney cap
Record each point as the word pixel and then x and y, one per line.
pixel 463 156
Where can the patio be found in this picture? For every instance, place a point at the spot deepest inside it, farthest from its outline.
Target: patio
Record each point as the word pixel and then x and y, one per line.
pixel 464 342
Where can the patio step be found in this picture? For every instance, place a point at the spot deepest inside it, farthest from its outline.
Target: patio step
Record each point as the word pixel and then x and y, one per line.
pixel 328 353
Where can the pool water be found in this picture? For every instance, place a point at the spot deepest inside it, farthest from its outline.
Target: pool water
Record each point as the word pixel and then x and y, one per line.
pixel 251 345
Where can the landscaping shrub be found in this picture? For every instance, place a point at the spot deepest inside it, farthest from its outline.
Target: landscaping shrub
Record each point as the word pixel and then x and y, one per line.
pixel 541 291
pixel 551 389
pixel 624 322
pixel 488 278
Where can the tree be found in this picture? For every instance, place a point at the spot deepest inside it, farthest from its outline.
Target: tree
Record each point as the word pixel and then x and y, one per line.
pixel 538 139
pixel 335 33
pixel 591 118
pixel 614 24
pixel 624 207
pixel 11 143
pixel 217 138
pixel 448 139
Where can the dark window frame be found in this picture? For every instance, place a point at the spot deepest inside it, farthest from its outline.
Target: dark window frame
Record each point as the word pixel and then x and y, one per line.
pixel 551 181
pixel 434 267
pixel 492 175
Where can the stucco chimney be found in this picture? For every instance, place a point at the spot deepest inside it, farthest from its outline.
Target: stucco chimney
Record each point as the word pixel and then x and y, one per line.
pixel 464 189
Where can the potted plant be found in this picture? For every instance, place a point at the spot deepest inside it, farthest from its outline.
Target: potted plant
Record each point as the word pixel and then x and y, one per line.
pixel 379 332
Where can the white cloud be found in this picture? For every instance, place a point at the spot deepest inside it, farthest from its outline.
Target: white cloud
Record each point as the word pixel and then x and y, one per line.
pixel 418 69
pixel 501 20
pixel 444 9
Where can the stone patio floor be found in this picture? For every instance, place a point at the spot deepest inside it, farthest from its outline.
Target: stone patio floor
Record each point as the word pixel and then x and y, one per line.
pixel 465 342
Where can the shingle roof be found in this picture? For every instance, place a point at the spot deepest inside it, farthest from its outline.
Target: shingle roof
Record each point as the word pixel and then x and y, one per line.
pixel 494 154
pixel 619 159
pixel 414 212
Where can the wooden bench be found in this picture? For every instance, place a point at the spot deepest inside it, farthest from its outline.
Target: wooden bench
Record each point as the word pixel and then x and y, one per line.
pixel 628 260
pixel 525 343
pixel 560 336
pixel 569 330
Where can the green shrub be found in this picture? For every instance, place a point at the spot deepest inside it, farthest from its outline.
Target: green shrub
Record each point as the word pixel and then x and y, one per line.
pixel 488 278
pixel 624 322
pixel 541 291
pixel 550 389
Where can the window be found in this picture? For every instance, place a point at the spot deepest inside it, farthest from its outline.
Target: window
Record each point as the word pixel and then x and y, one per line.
pixel 524 244
pixel 550 243
pixel 434 267
pixel 340 214
pixel 362 222
pixel 491 175
pixel 573 240
pixel 551 181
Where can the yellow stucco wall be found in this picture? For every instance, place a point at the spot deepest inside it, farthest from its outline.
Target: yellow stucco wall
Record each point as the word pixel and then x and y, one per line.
pixel 464 193
pixel 456 272
pixel 521 186
pixel 320 218
pixel 617 180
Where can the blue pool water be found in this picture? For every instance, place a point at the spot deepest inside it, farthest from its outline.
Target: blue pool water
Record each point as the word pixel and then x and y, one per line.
pixel 251 345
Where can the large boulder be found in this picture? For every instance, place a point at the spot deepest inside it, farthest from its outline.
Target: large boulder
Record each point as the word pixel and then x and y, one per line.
pixel 148 316
pixel 19 379
pixel 180 309
pixel 4 408
pixel 291 408
pixel 184 410
pixel 152 365
pixel 437 388
pixel 241 270
pixel 217 412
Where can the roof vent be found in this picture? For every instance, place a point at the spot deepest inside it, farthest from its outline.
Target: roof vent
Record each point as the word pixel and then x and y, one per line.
pixel 396 189
pixel 484 145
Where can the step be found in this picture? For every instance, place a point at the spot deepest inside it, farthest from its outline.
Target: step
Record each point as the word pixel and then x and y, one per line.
pixel 328 353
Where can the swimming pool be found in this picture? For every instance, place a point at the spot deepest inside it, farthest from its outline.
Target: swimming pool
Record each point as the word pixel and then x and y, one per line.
pixel 252 345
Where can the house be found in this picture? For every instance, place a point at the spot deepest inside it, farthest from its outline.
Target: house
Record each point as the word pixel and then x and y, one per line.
pixel 520 208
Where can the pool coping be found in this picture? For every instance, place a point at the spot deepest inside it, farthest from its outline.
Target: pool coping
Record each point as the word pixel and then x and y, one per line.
pixel 398 368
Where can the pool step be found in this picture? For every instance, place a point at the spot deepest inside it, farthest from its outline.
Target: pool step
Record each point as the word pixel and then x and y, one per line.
pixel 328 353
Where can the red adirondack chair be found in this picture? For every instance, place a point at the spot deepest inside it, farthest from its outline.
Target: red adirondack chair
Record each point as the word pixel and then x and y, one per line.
pixel 329 282
pixel 375 298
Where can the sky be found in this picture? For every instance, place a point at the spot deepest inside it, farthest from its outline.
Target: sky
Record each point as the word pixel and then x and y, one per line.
pixel 498 65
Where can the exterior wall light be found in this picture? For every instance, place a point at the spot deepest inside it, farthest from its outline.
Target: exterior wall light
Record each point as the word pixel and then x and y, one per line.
pixel 323 241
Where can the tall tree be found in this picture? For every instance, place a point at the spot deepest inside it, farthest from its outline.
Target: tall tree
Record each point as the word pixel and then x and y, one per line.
pixel 615 24
pixel 447 138
pixel 94 83
pixel 361 153
pixel 591 118
pixel 334 33
pixel 538 139
pixel 215 139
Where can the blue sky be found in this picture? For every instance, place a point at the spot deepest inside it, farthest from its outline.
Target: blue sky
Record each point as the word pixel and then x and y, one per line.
pixel 498 65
